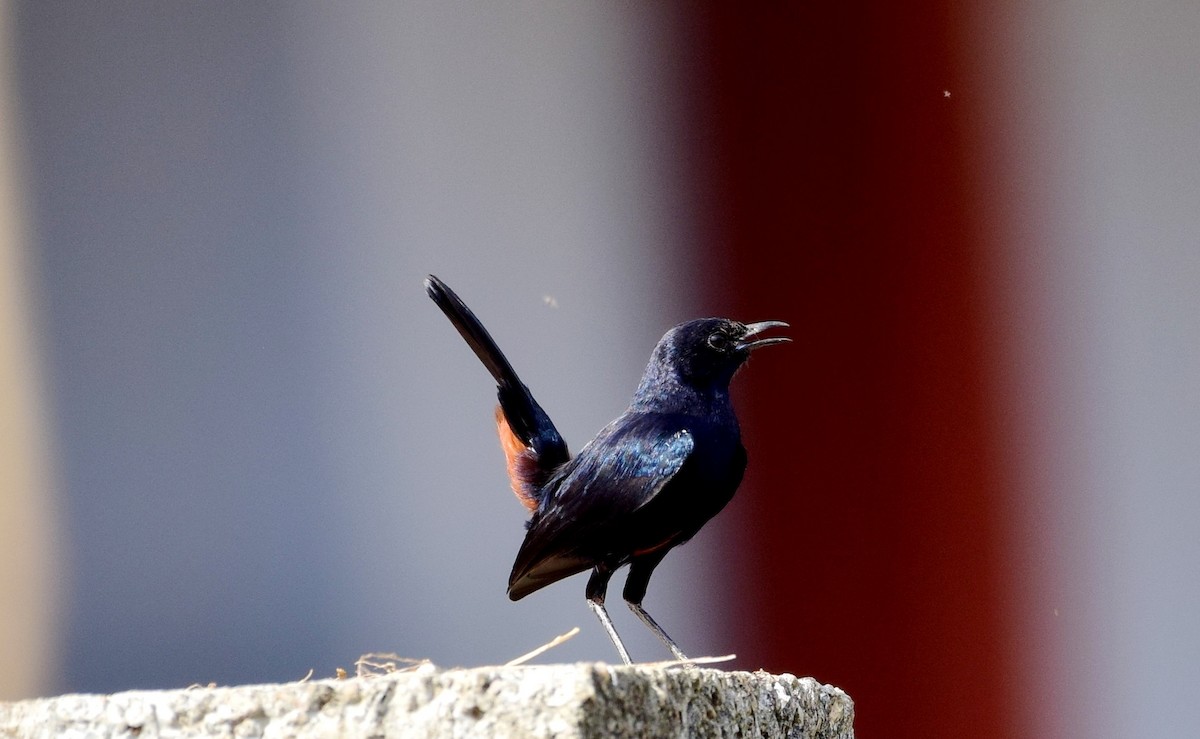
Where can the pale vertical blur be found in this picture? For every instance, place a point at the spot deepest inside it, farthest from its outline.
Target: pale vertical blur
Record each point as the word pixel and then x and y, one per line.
pixel 1097 198
pixel 276 453
pixel 29 570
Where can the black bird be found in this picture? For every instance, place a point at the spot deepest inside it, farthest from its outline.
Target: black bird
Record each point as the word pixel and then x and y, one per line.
pixel 645 484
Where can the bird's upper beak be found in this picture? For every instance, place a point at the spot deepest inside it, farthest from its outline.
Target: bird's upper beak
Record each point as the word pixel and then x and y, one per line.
pixel 753 329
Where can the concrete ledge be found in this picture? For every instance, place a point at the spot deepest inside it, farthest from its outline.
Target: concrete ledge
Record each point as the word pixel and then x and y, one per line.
pixel 581 700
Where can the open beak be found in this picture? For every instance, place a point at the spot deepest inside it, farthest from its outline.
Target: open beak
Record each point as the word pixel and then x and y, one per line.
pixel 753 329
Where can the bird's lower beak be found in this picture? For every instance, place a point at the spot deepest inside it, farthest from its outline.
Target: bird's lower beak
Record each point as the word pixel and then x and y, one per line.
pixel 753 329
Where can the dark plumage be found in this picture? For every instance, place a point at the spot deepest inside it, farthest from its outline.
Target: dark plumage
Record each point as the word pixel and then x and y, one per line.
pixel 648 481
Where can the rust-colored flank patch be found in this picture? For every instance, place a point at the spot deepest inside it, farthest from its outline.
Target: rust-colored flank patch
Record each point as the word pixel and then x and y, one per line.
pixel 521 462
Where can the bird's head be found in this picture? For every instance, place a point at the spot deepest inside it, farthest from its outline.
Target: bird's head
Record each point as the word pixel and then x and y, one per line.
pixel 706 352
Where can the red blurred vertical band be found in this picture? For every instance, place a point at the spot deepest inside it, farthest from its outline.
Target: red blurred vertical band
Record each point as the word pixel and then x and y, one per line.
pixel 868 535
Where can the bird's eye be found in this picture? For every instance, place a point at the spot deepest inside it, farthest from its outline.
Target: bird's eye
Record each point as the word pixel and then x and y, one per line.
pixel 719 341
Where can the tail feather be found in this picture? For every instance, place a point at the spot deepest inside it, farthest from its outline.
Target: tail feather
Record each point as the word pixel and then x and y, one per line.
pixel 524 420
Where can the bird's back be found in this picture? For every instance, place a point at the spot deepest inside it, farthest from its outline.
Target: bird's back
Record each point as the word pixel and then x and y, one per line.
pixel 649 480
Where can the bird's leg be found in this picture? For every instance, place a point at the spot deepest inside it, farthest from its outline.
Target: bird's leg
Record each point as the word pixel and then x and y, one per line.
pixel 597 585
pixel 658 630
pixel 635 590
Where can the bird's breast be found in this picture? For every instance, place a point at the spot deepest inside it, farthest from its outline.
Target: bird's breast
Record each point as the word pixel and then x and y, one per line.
pixel 702 487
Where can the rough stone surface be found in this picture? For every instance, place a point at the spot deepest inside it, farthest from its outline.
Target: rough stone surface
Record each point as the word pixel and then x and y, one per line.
pixel 582 700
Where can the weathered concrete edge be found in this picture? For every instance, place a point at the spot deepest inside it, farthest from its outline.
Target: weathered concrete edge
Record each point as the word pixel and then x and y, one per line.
pixel 581 700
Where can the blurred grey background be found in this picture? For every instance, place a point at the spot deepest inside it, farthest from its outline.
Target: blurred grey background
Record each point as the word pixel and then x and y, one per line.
pixel 273 452
pixel 239 442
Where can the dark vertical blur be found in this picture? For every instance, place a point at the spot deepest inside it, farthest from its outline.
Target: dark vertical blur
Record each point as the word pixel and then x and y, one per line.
pixel 868 529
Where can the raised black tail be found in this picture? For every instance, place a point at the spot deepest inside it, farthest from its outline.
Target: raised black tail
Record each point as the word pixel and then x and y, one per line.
pixel 525 418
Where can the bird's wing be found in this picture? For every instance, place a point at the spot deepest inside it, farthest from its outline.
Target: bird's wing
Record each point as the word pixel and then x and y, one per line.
pixel 619 472
pixel 532 445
